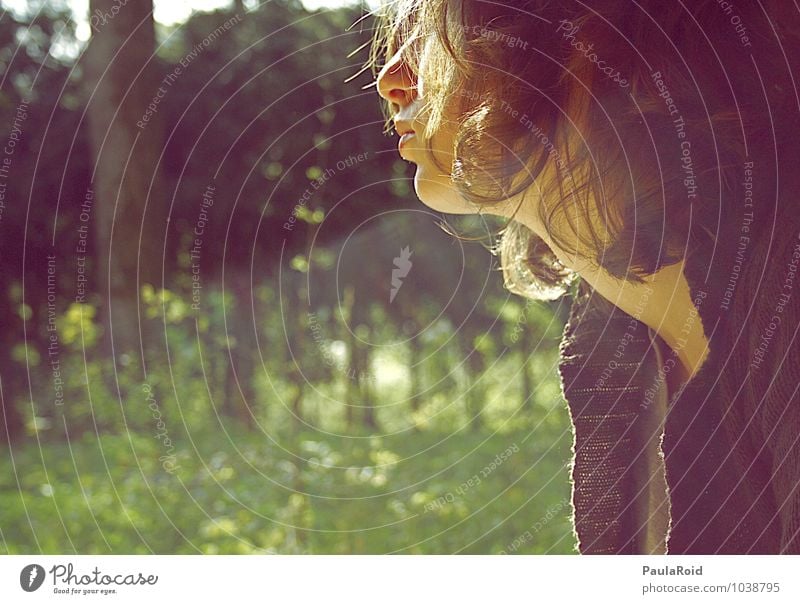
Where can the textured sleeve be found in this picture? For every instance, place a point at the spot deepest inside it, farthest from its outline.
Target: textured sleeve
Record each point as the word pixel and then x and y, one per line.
pixel 775 371
pixel 607 363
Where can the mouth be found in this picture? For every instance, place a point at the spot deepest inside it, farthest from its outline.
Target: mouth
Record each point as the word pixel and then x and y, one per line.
pixel 404 130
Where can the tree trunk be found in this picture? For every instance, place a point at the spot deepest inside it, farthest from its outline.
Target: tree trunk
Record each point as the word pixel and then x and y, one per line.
pixel 13 427
pixel 358 392
pixel 475 388
pixel 526 343
pixel 414 367
pixel 241 332
pixel 350 391
pixel 125 112
pixel 364 378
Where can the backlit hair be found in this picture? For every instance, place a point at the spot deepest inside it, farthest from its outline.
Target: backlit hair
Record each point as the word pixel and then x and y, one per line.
pixel 620 118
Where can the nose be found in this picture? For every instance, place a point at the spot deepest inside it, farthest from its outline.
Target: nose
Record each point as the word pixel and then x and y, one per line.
pixel 397 83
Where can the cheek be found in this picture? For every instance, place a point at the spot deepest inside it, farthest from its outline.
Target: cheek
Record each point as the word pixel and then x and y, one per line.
pixel 442 143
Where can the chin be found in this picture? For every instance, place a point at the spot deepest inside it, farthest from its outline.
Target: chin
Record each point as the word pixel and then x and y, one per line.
pixel 437 191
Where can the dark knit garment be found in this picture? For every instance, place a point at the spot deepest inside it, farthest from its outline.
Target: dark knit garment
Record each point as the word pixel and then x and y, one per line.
pixel 731 441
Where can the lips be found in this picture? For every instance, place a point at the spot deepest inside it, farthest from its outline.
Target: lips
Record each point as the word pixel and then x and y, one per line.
pixel 404 131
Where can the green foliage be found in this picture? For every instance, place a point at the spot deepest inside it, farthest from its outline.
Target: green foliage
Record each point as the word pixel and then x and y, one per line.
pixel 154 459
pixel 235 492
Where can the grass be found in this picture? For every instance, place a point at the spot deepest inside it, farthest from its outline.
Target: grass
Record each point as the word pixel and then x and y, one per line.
pixel 246 492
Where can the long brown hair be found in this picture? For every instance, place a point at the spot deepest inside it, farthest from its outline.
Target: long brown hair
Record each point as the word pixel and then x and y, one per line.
pixel 623 117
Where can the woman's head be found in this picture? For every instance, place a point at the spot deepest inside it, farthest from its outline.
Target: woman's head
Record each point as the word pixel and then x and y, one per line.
pixel 605 127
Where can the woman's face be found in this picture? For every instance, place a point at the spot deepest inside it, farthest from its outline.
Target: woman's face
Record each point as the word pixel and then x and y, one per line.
pixel 405 92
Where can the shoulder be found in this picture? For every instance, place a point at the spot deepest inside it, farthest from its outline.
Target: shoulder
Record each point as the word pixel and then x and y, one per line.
pixel 602 347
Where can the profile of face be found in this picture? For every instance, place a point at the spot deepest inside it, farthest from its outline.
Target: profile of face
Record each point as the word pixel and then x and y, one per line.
pixel 404 90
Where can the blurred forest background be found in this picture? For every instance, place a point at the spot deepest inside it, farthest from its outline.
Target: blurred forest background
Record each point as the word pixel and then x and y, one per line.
pixel 228 326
